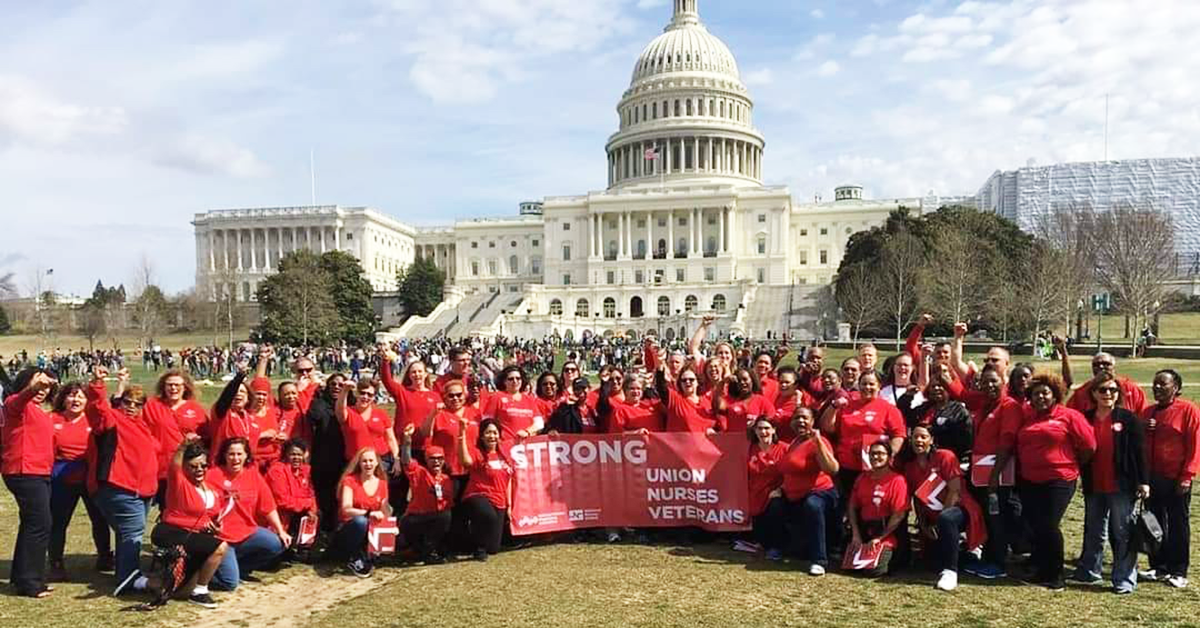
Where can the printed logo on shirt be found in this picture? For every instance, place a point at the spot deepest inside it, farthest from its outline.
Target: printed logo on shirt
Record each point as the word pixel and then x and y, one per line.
pixel 877 497
pixel 1117 427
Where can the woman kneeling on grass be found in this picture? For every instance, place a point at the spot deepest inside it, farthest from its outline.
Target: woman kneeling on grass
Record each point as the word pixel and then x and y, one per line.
pixel 189 519
pixel 878 510
pixel 249 505
pixel 485 502
pixel 363 495
pixel 427 519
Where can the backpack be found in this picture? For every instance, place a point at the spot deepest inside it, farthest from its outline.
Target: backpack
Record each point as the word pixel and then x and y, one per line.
pixel 170 565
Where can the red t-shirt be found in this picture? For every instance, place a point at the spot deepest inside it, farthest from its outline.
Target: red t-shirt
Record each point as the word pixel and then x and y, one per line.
pixel 547 406
pixel 860 418
pixel 490 477
pixel 429 494
pixel 445 435
pixel 1173 447
pixel 440 382
pixel 235 424
pixel 801 470
pixel 685 416
pixel 189 506
pixel 1046 445
pixel 412 407
pixel 944 462
pixel 170 427
pixel 26 437
pixel 785 408
pixel 881 498
pixel 770 387
pixel 1104 472
pixel 362 500
pixel 646 414
pixel 291 488
pixel 739 412
pixel 252 502
pixel 513 414
pixel 267 450
pixel 763 475
pixel 996 426
pixel 367 432
pixel 70 437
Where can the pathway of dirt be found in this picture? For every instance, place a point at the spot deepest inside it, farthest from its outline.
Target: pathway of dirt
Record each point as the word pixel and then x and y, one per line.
pixel 288 603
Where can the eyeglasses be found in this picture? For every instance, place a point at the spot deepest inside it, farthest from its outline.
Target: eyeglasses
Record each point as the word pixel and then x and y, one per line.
pixel 1105 390
pixel 457 395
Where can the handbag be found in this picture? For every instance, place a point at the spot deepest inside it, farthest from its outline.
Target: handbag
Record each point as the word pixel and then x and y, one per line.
pixel 1147 533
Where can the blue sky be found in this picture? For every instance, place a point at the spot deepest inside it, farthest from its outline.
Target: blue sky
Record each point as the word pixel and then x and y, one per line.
pixel 119 119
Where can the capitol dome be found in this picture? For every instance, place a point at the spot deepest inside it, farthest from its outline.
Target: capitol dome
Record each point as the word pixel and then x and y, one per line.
pixel 686 117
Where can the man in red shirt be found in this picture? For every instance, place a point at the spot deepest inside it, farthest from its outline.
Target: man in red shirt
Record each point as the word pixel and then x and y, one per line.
pixel 1132 397
pixel 996 356
pixel 1173 452
pixel 460 368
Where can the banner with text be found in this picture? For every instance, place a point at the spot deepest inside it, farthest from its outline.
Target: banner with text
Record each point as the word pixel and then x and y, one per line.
pixel 626 480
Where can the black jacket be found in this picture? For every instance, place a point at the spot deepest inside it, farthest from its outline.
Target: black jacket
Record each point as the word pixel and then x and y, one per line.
pixel 1129 454
pixel 567 418
pixel 952 426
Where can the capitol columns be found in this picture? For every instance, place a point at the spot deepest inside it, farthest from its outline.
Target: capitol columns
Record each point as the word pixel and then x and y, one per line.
pixel 724 213
pixel 628 234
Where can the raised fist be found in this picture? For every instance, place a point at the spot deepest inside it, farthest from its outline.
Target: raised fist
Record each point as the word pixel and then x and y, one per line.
pixel 960 330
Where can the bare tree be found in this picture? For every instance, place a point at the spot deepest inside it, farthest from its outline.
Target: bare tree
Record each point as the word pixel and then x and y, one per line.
pixel 149 302
pixel 8 285
pixel 858 296
pixel 1135 249
pixel 1042 290
pixel 959 281
pixel 41 290
pixel 901 273
pixel 1071 230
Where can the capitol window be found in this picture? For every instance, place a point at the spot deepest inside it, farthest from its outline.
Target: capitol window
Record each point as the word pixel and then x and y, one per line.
pixel 710 274
pixel 690 303
pixel 664 306
pixel 803 257
pixel 555 307
pixel 638 276
pixel 535 242
pixel 824 231
pixel 512 265
pixel 566 252
pixel 491 245
pixel 762 217
pixel 513 244
pixel 762 245
pixel 581 308
pixel 762 276
pixel 803 232
pixel 491 267
pixel 718 303
pixel 610 308
pixel 535 265
pixel 612 277
pixel 679 275
pixel 475 269
pixel 567 279
pixel 474 245
pixel 566 226
pixel 824 257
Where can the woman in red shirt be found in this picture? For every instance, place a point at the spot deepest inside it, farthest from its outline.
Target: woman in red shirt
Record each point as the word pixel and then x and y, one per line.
pixel 414 401
pixel 427 519
pixel 68 485
pixel 808 467
pixel 442 428
pixel 248 507
pixel 485 502
pixel 189 519
pixel 516 411
pixel 685 408
pixel 739 400
pixel 289 417
pixel 548 393
pixel 366 426
pixel 174 416
pixel 944 510
pixel 635 414
pixel 1173 450
pixel 230 418
pixel 290 482
pixel 122 470
pixel 766 496
pixel 1052 444
pixel 878 509
pixel 1115 478
pixel 26 462
pixel 363 497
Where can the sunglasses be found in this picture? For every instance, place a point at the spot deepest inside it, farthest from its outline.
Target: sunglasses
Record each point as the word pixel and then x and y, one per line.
pixel 457 395
pixel 514 378
pixel 304 371
pixel 198 467
pixel 1108 390
pixel 688 380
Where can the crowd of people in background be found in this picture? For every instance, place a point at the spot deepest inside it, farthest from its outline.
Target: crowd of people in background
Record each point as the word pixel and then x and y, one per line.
pixel 839 455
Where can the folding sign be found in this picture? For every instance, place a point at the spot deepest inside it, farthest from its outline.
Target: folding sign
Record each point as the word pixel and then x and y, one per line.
pixel 381 536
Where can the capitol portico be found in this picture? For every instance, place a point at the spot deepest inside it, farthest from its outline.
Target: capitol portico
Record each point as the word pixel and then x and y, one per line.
pixel 685 228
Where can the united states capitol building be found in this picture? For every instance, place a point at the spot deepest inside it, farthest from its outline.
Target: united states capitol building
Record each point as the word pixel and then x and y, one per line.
pixel 685 228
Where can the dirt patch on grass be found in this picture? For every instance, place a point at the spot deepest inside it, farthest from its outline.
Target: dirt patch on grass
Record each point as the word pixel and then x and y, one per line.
pixel 290 602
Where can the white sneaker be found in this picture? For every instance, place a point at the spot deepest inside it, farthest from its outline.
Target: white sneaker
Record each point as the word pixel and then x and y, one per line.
pixel 1148 575
pixel 1179 582
pixel 816 570
pixel 947 581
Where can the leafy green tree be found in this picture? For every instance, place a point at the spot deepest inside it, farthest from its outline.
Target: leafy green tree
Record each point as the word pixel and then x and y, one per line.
pixel 351 293
pixel 5 325
pixel 420 287
pixel 297 303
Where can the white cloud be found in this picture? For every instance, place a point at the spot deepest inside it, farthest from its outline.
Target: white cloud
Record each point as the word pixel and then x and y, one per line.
pixel 829 68
pixel 759 77
pixel 816 45
pixel 210 155
pixel 29 114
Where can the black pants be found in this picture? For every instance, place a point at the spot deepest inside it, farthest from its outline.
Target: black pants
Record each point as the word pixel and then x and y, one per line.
pixel 1173 511
pixel 485 523
pixel 769 525
pixel 63 499
pixel 32 493
pixel 458 540
pixel 950 524
pixel 1002 528
pixel 1044 506
pixel 425 532
pixel 836 536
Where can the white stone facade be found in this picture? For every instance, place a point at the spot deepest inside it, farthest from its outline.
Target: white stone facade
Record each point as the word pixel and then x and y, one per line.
pixel 685 228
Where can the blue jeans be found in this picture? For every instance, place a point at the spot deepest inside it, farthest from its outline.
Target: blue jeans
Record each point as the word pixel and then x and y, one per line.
pixel 950 524
pixel 1111 515
pixel 63 499
pixel 351 539
pixel 125 512
pixel 807 522
pixel 258 551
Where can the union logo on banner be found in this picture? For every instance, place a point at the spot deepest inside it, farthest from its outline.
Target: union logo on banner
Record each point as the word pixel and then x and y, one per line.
pixel 381 536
